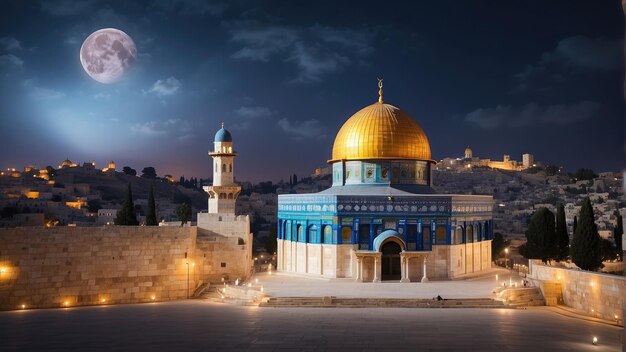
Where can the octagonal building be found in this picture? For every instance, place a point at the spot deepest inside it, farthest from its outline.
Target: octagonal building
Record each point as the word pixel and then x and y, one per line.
pixel 381 220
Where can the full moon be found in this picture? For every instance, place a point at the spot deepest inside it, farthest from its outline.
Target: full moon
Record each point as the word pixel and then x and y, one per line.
pixel 106 54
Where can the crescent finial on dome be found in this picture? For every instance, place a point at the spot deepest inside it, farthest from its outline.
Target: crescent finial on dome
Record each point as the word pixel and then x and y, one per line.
pixel 380 90
pixel 222 124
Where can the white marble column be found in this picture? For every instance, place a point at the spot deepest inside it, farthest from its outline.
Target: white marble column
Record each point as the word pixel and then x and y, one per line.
pixel 424 277
pixel 406 271
pixel 376 278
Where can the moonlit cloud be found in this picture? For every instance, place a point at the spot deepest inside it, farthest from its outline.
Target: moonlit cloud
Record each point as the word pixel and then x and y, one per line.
pixel 531 114
pixel 178 128
pixel 41 93
pixel 165 87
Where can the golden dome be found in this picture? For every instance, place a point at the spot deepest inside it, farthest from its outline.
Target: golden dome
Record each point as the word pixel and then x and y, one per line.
pixel 381 131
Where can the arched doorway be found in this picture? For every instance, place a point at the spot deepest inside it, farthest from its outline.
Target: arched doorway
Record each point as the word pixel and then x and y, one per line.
pixel 390 265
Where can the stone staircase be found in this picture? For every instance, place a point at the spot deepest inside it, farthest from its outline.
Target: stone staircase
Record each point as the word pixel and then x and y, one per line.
pixel 522 297
pixel 334 302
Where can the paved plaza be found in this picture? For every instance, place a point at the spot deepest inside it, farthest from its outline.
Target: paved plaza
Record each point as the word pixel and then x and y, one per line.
pixel 289 285
pixel 199 325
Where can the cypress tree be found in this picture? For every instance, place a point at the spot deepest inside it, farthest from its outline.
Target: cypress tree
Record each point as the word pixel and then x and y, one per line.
pixel 562 237
pixel 586 242
pixel 151 219
pixel 541 241
pixel 126 216
pixel 183 212
pixel 618 231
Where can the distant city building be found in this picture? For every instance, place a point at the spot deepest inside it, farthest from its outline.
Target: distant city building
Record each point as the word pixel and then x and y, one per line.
pixel 469 161
pixel 106 216
pixel 528 160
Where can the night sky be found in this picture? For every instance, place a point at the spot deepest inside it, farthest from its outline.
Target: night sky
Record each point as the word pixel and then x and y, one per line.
pixel 505 77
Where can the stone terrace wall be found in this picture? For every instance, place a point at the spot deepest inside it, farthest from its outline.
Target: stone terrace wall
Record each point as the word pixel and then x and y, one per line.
pixel 595 294
pixel 85 266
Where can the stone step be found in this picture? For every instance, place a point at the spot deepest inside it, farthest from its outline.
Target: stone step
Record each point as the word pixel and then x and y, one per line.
pixel 380 302
pixel 518 297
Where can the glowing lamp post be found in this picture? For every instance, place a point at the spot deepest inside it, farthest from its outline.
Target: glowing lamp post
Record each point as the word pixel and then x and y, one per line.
pixel 506 258
pixel 187 279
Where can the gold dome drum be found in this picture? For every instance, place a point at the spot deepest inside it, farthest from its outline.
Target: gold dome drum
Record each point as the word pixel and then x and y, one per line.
pixel 381 131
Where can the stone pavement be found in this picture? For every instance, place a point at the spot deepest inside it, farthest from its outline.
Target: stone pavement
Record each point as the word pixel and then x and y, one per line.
pixel 198 325
pixel 289 285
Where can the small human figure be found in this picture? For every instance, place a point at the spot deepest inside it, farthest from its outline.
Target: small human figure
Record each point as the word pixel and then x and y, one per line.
pixel 439 298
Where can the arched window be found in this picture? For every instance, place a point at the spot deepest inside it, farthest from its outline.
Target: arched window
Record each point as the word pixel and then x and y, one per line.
pixel 230 196
pixel 230 167
pixel 426 237
pixel 469 234
pixel 222 195
pixel 301 234
pixel 458 235
pixel 441 235
pixel 288 232
pixel 328 234
pixel 476 234
pixel 364 236
pixel 346 234
pixel 223 167
pixel 312 237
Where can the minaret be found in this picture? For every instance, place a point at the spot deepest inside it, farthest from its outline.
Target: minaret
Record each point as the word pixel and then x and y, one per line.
pixel 224 191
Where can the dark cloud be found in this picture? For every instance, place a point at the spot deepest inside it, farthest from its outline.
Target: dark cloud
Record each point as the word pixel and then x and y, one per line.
pixel 10 61
pixel 253 112
pixel 316 50
pixel 298 130
pixel 67 7
pixel 571 56
pixel 10 44
pixel 192 7
pixel 532 114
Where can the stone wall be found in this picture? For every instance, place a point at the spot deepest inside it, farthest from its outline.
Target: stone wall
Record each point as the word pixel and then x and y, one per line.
pixel 65 266
pixel 594 294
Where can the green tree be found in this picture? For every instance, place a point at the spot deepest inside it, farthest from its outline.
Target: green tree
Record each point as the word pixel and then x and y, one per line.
pixel 585 174
pixel 129 171
pixel 271 243
pixel 585 249
pixel 148 172
pixel 183 212
pixel 93 205
pixel 151 218
pixel 562 237
pixel 126 216
pixel 541 242
pixel 618 231
pixel 51 171
pixel 498 245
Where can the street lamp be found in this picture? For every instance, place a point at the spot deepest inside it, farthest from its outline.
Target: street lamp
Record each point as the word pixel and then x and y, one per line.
pixel 506 258
pixel 187 279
